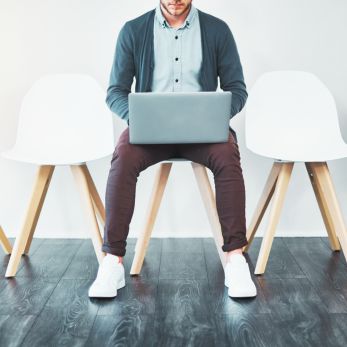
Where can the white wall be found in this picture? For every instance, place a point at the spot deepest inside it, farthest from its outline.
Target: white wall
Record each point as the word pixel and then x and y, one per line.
pixel 45 36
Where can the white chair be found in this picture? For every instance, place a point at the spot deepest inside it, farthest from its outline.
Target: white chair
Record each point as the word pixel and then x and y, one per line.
pixel 291 117
pixel 63 121
pixel 208 197
pixel 4 242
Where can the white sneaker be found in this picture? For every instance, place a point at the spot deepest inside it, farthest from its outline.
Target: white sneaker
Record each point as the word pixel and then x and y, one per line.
pixel 238 277
pixel 110 277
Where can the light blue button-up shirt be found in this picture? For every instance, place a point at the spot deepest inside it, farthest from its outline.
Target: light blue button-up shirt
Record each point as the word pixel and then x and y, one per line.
pixel 177 54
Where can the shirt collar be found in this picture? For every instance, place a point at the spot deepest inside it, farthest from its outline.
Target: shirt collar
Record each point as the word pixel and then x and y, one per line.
pixel 186 24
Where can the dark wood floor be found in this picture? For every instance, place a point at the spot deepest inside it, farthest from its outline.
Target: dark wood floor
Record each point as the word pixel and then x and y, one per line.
pixel 178 300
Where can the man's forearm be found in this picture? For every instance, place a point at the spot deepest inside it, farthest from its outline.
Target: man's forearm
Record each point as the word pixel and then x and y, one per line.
pixel 117 101
pixel 231 73
pixel 239 95
pixel 122 75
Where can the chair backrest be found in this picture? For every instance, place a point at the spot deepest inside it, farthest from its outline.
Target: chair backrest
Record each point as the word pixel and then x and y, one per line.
pixel 292 115
pixel 64 118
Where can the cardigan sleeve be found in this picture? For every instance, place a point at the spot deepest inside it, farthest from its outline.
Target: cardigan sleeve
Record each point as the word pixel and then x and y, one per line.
pixel 230 71
pixel 122 75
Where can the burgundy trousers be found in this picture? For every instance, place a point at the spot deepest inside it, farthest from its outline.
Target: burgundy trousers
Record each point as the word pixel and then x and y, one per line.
pixel 127 162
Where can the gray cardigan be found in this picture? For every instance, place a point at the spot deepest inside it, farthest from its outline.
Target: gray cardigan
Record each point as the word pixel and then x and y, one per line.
pixel 134 57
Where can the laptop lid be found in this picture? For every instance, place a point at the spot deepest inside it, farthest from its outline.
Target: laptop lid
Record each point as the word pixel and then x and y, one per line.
pixel 179 117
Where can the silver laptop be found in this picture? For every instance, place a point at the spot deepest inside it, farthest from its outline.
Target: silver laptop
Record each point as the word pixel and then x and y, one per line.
pixel 179 117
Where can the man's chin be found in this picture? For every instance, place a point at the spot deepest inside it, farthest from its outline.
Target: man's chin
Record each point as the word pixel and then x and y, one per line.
pixel 176 13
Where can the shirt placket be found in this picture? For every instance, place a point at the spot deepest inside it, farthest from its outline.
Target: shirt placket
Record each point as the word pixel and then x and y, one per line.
pixel 177 60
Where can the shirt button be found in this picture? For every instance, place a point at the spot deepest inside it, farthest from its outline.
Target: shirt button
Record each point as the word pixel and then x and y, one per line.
pixel 176 59
pixel 176 80
pixel 176 37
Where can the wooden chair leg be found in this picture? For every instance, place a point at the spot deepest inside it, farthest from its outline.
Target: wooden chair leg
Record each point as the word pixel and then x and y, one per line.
pixel 38 212
pixel 322 203
pixel 97 202
pixel 4 242
pixel 329 196
pixel 209 200
pixel 85 195
pixel 23 240
pixel 160 182
pixel 277 203
pixel 263 203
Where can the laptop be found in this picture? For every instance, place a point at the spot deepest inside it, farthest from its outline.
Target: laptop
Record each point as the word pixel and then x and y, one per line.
pixel 179 117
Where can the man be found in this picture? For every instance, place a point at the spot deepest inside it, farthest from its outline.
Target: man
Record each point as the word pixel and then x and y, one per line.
pixel 175 47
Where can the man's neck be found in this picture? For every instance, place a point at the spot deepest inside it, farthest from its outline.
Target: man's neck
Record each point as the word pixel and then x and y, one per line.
pixel 175 21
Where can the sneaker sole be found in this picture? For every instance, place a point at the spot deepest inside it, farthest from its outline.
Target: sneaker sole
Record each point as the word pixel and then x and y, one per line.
pixel 241 295
pixel 121 284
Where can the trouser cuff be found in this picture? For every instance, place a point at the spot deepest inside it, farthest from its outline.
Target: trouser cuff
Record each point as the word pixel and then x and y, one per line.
pixel 120 252
pixel 227 247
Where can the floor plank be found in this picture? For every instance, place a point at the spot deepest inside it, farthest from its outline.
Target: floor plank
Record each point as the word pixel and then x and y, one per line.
pixel 14 328
pixel 67 317
pixel 178 299
pixel 320 267
pixel 246 329
pixel 183 315
pixel 138 296
pixel 281 263
pixel 84 265
pixel 124 330
pixel 5 258
pixel 51 259
pixel 186 245
pixel 182 265
pixel 24 295
pixel 299 315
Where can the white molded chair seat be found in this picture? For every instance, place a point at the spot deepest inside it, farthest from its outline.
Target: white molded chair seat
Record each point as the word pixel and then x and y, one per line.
pixel 63 120
pixel 291 117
